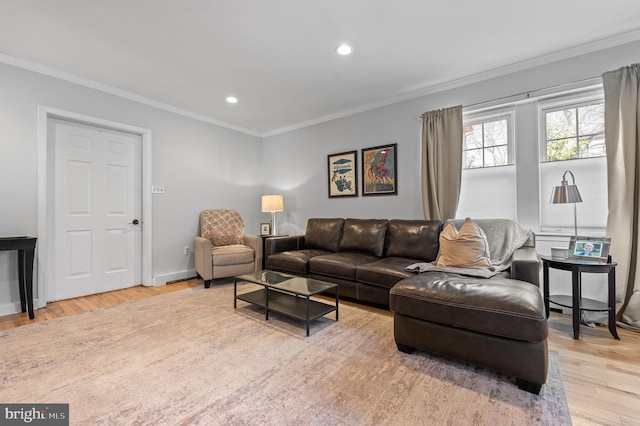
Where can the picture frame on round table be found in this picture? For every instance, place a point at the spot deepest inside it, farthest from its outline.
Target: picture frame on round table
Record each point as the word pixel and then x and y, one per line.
pixel 589 248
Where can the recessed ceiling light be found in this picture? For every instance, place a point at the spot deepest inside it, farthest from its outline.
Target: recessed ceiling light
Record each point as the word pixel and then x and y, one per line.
pixel 344 49
pixel 232 99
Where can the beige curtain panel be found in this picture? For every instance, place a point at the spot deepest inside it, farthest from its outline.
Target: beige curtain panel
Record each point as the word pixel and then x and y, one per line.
pixel 622 129
pixel 441 162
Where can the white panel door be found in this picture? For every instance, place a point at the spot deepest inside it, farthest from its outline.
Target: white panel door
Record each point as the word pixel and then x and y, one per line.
pixel 97 201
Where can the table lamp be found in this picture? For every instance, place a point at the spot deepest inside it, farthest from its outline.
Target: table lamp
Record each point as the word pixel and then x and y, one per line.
pixel 272 204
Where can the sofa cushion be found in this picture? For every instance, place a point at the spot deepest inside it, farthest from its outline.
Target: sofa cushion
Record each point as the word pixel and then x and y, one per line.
pixel 339 265
pixel 364 235
pixel 415 239
pixel 295 262
pixel 385 272
pixel 467 248
pixel 498 306
pixel 323 234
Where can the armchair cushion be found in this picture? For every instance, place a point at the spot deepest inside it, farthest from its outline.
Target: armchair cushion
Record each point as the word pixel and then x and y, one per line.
pixel 222 227
pixel 234 254
pixel 222 237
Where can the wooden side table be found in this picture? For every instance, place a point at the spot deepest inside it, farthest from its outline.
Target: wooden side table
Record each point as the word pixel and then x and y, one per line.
pixel 576 302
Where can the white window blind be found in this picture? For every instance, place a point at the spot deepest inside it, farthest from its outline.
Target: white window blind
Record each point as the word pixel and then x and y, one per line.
pixel 488 193
pixel 488 188
pixel 572 138
pixel 591 180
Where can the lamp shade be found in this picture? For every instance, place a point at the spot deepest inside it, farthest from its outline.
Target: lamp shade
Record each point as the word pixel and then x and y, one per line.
pixel 272 203
pixel 563 194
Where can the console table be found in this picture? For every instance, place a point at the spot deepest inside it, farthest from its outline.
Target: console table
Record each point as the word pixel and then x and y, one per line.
pixel 576 302
pixel 26 247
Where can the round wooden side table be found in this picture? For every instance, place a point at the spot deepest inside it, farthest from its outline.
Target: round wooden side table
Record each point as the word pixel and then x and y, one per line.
pixel 575 301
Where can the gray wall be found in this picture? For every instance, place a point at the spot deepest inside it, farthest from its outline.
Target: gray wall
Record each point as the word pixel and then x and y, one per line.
pixel 295 163
pixel 201 165
pixel 206 166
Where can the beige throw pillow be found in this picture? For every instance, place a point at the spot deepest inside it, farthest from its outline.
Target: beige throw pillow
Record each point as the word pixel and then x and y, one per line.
pixel 223 237
pixel 467 248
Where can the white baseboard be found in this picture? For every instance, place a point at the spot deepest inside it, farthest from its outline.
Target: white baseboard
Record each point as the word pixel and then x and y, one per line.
pixel 11 308
pixel 163 279
pixel 15 308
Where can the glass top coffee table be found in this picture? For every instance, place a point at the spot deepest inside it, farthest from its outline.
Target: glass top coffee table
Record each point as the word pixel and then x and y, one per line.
pixel 287 294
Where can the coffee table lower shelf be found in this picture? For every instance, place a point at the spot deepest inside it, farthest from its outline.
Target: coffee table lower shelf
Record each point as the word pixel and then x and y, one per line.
pixel 297 307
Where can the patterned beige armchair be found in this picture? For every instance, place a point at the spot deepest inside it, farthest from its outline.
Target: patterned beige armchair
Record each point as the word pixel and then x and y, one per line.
pixel 222 250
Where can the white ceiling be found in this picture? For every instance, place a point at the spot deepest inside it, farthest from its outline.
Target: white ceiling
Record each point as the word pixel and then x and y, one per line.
pixel 277 56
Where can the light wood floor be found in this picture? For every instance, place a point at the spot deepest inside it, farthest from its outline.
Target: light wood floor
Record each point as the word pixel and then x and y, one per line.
pixel 601 375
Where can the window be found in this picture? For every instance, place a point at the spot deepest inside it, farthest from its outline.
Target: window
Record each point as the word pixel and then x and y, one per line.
pixel 572 138
pixel 514 154
pixel 488 191
pixel 487 143
pixel 574 132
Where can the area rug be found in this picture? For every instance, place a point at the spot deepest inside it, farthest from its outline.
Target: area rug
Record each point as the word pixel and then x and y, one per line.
pixel 188 357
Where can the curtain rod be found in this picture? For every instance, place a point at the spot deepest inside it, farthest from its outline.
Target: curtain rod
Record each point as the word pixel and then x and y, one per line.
pixel 536 92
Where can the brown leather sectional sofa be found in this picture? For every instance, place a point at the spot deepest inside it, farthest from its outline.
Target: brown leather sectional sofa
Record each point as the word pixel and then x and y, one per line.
pixel 366 257
pixel 496 322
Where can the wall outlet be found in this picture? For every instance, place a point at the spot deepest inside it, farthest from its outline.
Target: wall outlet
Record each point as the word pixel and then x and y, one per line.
pixel 187 251
pixel 157 189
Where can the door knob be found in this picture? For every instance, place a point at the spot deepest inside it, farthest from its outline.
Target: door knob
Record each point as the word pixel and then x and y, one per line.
pixel 135 222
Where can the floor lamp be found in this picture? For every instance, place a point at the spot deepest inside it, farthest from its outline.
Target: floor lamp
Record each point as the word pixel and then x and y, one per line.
pixel 565 193
pixel 272 204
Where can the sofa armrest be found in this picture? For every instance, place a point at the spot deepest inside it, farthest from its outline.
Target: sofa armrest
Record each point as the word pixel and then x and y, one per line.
pixel 255 243
pixel 525 265
pixel 202 257
pixel 280 244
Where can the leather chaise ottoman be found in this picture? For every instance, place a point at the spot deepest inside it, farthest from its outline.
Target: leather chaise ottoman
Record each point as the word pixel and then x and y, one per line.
pixel 498 323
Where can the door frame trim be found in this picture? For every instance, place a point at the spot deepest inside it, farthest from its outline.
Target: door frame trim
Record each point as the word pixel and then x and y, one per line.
pixel 45 235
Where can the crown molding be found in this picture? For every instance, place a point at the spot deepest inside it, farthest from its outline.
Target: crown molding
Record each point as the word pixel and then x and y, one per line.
pixel 425 90
pixel 441 86
pixel 91 84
